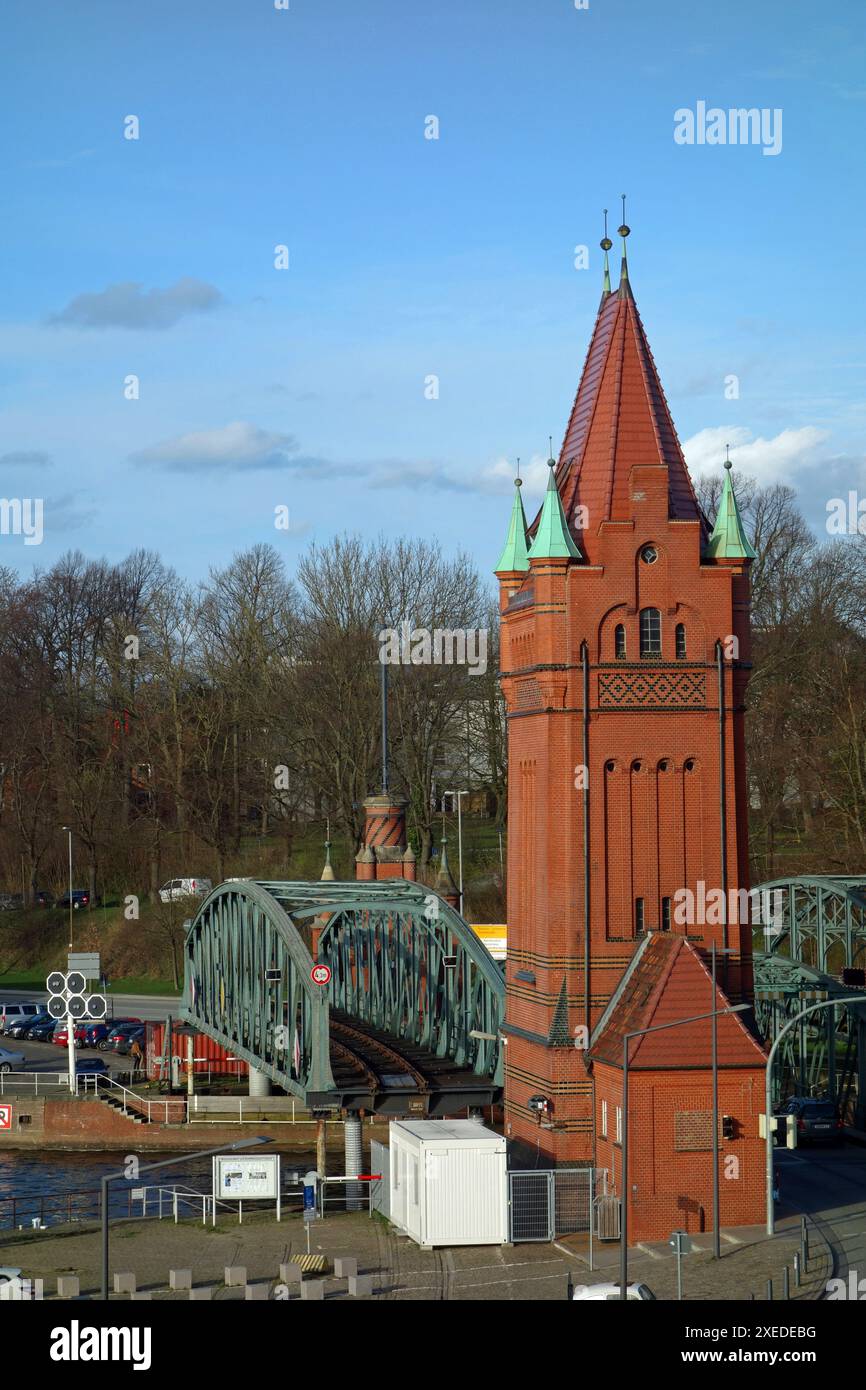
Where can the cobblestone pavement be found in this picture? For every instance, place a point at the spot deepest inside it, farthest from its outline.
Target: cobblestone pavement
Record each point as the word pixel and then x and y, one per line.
pixel 401 1271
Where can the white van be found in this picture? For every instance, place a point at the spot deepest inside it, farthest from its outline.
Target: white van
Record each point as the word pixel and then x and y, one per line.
pixel 184 888
pixel 13 1013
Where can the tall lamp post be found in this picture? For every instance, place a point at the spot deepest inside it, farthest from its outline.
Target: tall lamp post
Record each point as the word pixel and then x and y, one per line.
pixel 459 841
pixel 68 830
pixel 149 1168
pixel 768 1099
pixel 627 1037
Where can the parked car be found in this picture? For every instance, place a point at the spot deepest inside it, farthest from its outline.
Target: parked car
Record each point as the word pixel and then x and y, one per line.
pixel 42 898
pixel 80 898
pixel 134 1035
pixel 609 1293
pixel 99 1034
pixel 817 1122
pixel 90 1066
pixel 11 1013
pixel 8 1059
pixel 176 888
pixel 11 902
pixel 120 1033
pixel 42 1029
pixel 20 1027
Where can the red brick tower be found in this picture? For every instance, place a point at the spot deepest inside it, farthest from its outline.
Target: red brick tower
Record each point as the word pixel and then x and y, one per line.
pixel 625 654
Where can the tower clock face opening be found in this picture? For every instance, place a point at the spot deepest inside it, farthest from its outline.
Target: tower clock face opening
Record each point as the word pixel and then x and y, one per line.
pixel 649 555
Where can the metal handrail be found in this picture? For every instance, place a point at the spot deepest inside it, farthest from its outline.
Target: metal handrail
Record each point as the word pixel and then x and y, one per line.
pixel 9 1079
pixel 137 1103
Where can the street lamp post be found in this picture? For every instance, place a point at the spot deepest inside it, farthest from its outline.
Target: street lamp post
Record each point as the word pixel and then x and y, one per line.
pixel 149 1168
pixel 459 841
pixel 68 830
pixel 627 1037
pixel 768 1099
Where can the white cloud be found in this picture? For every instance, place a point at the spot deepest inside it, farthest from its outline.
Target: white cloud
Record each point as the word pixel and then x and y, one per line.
pixel 236 447
pixel 499 477
pixel 777 460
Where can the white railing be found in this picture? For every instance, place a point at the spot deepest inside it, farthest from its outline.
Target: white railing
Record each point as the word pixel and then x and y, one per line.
pixel 133 1103
pixel 11 1080
pixel 168 1201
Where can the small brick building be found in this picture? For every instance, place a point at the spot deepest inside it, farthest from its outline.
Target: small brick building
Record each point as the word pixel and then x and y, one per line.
pixel 625 656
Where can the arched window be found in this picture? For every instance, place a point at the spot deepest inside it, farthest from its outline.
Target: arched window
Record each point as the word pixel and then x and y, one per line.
pixel 650 632
pixel 619 642
pixel 681 642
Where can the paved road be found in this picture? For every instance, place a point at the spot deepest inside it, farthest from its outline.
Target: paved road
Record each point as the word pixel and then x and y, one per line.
pixel 829 1185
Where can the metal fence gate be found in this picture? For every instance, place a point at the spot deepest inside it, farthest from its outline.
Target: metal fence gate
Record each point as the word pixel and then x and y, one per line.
pixel 380 1189
pixel 544 1203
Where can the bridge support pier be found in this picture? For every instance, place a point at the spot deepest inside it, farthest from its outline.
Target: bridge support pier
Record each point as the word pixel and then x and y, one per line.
pixel 260 1084
pixel 354 1151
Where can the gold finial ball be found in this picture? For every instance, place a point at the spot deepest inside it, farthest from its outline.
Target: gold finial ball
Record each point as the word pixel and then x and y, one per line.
pixel 605 243
pixel 624 230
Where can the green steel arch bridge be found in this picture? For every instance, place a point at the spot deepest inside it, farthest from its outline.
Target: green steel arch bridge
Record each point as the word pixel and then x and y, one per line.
pixel 407 1023
pixel 813 927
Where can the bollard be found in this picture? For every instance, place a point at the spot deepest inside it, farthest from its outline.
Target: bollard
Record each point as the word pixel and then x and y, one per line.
pixel 124 1282
pixel 360 1285
pixel 235 1276
pixel 68 1286
pixel 786 1283
pixel 180 1278
pixel 797 1268
pixel 291 1273
pixel 141 1296
pixel 256 1292
pixel 313 1289
pixel 203 1294
pixel 345 1266
pixel 769 1290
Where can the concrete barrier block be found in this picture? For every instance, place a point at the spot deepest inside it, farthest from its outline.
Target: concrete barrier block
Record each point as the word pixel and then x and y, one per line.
pixel 180 1278
pixel 256 1292
pixel 360 1285
pixel 291 1273
pixel 236 1276
pixel 141 1297
pixel 68 1286
pixel 313 1289
pixel 203 1294
pixel 124 1282
pixel 345 1266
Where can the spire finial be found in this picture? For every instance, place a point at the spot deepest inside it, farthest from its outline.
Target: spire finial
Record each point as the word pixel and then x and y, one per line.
pixel 728 463
pixel 605 245
pixel 518 481
pixel 551 461
pixel 623 232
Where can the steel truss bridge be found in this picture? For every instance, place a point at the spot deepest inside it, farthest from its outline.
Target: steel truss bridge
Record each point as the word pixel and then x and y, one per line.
pixel 815 928
pixel 408 1023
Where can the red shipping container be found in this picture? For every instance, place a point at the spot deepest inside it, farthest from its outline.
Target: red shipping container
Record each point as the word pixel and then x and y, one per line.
pixel 209 1057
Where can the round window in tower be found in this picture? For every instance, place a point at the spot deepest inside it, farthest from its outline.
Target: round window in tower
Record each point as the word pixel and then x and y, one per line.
pixel 649 555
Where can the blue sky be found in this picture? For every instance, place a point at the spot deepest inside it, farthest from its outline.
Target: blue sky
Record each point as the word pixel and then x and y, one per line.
pixel 408 257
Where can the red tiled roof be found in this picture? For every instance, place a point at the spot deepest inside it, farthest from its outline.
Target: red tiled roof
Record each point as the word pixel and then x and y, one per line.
pixel 667 981
pixel 620 418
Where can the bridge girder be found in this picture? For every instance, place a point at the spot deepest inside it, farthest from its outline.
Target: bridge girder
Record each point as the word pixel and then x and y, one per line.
pixel 402 961
pixel 822 920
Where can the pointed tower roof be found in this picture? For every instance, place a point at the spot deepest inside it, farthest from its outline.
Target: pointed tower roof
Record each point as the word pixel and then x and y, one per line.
pixel 328 871
pixel 515 558
pixel 552 536
pixel 445 885
pixel 620 418
pixel 729 540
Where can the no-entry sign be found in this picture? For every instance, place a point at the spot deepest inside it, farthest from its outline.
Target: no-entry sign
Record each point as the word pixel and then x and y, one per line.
pixel 320 974
pixel 5 1116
